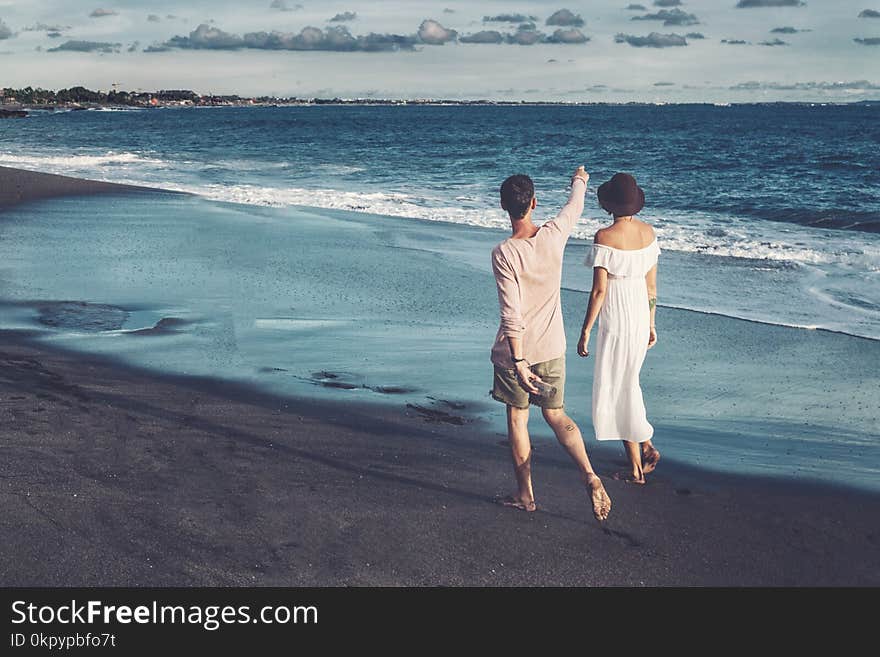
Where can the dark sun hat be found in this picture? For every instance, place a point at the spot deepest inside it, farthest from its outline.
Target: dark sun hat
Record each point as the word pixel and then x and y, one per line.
pixel 621 196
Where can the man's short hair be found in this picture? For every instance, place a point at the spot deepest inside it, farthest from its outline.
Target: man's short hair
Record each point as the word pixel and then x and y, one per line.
pixel 517 193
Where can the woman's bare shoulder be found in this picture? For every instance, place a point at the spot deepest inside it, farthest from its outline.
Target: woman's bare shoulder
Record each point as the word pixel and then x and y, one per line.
pixel 646 230
pixel 602 237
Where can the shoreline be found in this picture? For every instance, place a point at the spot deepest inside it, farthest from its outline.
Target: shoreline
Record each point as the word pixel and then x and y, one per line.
pixel 23 185
pixel 160 479
pixel 584 243
pixel 423 102
pixel 33 185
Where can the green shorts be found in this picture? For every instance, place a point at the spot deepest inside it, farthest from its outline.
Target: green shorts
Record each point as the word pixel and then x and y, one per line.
pixel 507 390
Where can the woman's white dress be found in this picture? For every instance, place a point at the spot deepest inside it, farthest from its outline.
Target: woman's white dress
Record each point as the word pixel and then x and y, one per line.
pixel 621 343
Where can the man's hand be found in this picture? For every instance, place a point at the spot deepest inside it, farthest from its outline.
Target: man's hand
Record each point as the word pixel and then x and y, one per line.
pixel 526 376
pixel 580 172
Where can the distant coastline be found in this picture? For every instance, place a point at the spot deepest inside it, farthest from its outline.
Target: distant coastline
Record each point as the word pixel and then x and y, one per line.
pixel 17 103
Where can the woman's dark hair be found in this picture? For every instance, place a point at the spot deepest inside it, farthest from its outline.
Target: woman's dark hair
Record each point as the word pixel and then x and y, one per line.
pixel 517 193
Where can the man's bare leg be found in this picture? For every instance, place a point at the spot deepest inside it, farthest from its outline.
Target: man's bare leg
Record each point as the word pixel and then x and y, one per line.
pixel 569 436
pixel 521 451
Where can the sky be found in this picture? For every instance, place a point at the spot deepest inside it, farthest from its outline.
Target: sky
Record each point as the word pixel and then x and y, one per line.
pixel 597 51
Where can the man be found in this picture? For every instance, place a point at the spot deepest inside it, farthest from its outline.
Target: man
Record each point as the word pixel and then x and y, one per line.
pixel 530 346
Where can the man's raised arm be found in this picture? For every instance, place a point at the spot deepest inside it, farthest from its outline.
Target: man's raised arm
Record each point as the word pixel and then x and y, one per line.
pixel 574 208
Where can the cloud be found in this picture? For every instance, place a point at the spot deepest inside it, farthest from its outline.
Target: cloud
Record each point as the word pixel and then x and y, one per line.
pixel 484 36
pixel 565 18
pixel 636 8
pixel 695 35
pixel 667 3
pixel 434 34
pixel 734 42
pixel 856 85
pixel 525 37
pixel 153 18
pixel 205 37
pixel 43 27
pixel 309 38
pixel 669 17
pixel 337 39
pixel 509 18
pixel 653 40
pixel 774 42
pixel 101 13
pixel 573 35
pixel 786 30
pixel 664 84
pixel 753 4
pixel 869 41
pixel 869 13
pixel 343 17
pixel 374 42
pixel 87 46
pixel 281 5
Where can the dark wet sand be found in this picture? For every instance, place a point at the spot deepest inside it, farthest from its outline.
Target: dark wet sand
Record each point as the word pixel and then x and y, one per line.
pixel 19 186
pixel 114 476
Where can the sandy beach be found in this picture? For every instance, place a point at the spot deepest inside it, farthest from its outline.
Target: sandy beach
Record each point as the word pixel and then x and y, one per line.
pixel 115 474
pixel 112 476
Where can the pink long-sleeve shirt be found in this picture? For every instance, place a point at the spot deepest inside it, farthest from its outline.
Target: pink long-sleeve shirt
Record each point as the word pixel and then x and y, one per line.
pixel 528 273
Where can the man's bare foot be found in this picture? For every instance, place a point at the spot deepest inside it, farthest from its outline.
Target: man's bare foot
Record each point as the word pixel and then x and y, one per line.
pixel 601 501
pixel 515 502
pixel 628 477
pixel 650 459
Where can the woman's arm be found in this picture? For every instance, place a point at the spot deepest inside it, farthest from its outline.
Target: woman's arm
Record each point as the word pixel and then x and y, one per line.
pixel 651 280
pixel 597 298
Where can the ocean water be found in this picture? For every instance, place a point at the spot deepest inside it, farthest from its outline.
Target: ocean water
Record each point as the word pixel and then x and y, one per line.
pixel 772 211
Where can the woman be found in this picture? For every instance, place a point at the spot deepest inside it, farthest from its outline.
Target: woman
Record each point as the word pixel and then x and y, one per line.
pixel 623 299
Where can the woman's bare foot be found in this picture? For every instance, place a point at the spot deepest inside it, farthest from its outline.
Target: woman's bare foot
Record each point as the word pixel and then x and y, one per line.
pixel 516 502
pixel 650 459
pixel 598 496
pixel 629 477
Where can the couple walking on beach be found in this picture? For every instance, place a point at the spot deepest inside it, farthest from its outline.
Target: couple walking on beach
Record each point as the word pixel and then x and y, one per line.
pixel 529 350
